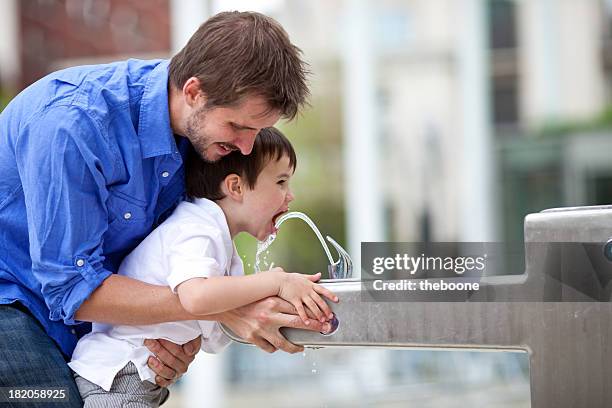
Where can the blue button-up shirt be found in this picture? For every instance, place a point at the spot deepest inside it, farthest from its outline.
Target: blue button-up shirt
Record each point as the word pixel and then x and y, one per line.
pixel 89 165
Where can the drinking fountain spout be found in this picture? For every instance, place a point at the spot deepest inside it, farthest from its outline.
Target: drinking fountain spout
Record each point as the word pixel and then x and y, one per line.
pixel 340 269
pixel 343 267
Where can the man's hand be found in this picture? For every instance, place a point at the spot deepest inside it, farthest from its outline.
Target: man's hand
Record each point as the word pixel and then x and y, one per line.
pixel 259 324
pixel 171 360
pixel 305 295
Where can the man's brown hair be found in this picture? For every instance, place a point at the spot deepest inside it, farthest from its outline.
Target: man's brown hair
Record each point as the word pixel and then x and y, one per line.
pixel 203 179
pixel 235 54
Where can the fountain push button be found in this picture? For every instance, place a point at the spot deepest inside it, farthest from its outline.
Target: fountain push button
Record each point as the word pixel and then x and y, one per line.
pixel 608 250
pixel 334 323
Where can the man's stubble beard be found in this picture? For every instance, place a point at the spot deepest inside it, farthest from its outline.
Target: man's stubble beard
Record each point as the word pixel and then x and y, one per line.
pixel 194 132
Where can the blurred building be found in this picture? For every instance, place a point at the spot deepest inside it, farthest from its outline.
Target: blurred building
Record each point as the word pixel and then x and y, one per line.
pixel 549 88
pixel 45 35
pixel 550 80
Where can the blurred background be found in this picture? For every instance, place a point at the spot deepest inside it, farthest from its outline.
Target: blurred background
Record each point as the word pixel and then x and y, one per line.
pixel 430 120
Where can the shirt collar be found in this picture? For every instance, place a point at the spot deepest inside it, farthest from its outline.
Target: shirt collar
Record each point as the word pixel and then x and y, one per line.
pixel 213 210
pixel 154 131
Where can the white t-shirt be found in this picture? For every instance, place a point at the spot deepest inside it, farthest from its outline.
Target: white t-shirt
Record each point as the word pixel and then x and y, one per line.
pixel 194 242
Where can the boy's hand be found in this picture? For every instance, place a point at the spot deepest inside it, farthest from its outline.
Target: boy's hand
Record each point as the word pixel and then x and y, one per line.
pixel 300 289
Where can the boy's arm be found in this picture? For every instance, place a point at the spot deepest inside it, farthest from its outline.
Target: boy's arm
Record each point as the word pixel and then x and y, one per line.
pixel 217 294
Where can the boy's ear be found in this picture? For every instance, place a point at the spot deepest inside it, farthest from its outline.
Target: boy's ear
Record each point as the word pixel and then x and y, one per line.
pixel 233 187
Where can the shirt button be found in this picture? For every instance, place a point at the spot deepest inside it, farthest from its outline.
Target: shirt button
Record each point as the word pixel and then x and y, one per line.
pixel 127 215
pixel 73 331
pixel 165 174
pixel 80 262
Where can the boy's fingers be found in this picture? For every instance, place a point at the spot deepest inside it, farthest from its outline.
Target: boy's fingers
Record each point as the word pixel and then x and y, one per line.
pixel 313 307
pixel 283 306
pixel 314 278
pixel 327 293
pixel 322 305
pixel 291 320
pixel 302 313
pixel 310 314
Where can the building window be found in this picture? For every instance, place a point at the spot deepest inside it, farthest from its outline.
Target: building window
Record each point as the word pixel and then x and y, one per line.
pixel 503 42
pixel 502 27
pixel 505 101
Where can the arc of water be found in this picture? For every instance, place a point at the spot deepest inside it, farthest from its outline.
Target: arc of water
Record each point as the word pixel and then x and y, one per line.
pixel 262 246
pixel 307 220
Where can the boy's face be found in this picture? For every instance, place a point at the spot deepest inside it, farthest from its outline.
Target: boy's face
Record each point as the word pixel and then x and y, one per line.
pixel 269 198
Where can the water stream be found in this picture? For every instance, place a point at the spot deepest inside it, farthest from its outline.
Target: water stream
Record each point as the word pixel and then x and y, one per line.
pixel 262 246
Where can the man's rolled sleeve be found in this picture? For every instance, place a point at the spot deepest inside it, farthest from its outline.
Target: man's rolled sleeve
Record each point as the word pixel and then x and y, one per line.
pixel 68 301
pixel 62 172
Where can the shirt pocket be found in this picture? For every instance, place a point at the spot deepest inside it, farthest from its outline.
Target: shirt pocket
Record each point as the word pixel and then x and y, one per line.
pixel 129 221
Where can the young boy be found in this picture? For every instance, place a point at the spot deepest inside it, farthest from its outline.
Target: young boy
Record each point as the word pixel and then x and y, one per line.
pixel 193 253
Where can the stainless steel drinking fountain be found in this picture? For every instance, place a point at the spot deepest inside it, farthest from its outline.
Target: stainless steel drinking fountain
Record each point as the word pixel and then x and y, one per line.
pixel 568 256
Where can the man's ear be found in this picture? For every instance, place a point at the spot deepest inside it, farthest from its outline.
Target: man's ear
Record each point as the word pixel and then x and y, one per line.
pixel 193 93
pixel 233 187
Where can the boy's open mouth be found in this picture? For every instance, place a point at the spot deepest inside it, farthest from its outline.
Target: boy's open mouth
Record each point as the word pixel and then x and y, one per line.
pixel 275 218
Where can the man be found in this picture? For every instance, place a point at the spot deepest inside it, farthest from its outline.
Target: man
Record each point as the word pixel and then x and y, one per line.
pixel 92 160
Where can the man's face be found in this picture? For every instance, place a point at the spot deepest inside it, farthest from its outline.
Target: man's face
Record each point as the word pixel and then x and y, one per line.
pixel 218 131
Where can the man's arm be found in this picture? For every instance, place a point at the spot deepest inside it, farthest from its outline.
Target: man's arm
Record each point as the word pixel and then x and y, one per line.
pixel 123 300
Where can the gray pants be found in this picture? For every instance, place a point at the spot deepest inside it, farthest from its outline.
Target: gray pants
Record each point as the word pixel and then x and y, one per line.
pixel 128 390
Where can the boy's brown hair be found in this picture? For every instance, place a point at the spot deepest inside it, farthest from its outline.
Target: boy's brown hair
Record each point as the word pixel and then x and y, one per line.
pixel 203 179
pixel 237 54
